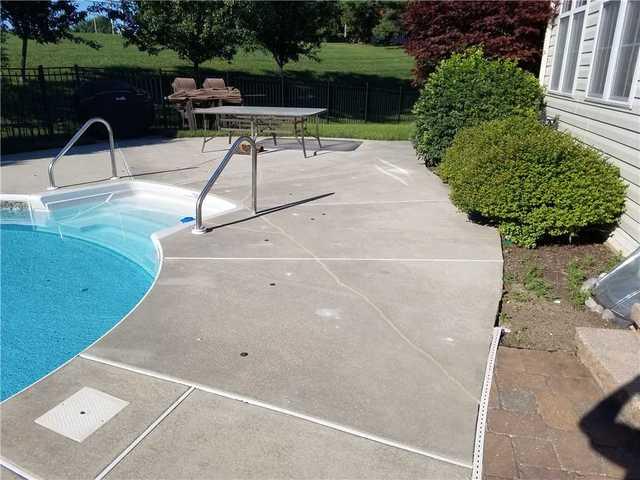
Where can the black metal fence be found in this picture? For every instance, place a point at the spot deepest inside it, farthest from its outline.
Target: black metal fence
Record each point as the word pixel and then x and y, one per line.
pixel 43 103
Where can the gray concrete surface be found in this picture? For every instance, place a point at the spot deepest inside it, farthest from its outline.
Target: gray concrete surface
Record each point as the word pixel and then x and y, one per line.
pixel 370 308
pixel 47 454
pixel 213 430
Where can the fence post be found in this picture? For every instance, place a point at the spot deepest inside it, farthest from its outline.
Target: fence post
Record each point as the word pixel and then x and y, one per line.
pixel 281 90
pixel 45 100
pixel 366 102
pixel 399 105
pixel 163 114
pixel 328 99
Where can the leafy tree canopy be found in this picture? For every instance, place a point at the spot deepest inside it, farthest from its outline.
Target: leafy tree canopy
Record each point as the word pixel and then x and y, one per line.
pixel 196 31
pixel 513 29
pixel 390 28
pixel 289 29
pixel 360 17
pixel 42 21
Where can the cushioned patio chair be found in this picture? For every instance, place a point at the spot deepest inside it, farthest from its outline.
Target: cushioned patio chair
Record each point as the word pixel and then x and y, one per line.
pixel 222 93
pixel 182 84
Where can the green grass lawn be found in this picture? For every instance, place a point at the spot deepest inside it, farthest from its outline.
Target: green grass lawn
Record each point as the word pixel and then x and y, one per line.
pixel 336 59
pixel 363 131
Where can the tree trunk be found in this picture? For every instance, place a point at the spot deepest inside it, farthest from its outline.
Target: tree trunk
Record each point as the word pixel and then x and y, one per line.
pixel 23 62
pixel 196 70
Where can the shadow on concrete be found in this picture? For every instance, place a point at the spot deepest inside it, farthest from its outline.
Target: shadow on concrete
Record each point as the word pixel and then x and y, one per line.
pixel 81 149
pixel 329 145
pixel 269 210
pixel 615 440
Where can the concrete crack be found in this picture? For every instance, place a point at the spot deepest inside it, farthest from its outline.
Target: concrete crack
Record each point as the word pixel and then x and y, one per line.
pixel 380 312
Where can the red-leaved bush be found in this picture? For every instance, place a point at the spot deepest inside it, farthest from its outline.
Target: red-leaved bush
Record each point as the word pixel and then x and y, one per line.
pixel 511 29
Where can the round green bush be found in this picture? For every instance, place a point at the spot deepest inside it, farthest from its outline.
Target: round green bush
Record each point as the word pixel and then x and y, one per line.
pixel 467 89
pixel 531 180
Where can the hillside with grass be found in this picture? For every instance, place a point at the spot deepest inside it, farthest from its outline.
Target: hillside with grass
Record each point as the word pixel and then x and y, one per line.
pixel 336 60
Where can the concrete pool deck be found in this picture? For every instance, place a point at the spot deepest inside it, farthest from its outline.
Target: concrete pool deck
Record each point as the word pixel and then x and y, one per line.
pixel 343 334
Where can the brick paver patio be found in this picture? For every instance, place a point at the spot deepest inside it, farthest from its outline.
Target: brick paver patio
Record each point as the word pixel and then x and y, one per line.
pixel 548 419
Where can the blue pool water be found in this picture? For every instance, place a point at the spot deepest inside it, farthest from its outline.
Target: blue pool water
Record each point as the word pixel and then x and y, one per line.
pixel 64 284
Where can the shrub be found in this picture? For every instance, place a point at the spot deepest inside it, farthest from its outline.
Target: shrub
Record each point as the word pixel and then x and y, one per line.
pixel 468 89
pixel 531 180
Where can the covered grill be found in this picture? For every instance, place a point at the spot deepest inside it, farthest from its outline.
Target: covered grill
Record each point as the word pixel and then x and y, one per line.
pixel 128 109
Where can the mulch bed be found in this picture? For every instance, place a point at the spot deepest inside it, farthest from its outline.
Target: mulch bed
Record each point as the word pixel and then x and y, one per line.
pixel 548 322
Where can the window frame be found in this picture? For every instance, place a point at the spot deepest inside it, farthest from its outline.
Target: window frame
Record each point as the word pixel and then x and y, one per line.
pixel 570 12
pixel 613 62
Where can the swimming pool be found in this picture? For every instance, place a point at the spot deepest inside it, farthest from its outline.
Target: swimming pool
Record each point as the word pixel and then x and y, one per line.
pixel 73 265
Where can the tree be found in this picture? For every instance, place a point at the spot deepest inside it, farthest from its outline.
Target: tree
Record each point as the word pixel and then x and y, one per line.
pixel 44 22
pixel 511 29
pixel 390 28
pixel 196 31
pixel 289 30
pixel 360 17
pixel 96 24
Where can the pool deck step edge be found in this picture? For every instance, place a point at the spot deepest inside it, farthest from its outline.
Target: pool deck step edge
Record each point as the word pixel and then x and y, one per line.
pixel 613 358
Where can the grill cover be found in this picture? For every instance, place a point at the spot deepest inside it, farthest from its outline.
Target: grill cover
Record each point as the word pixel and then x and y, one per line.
pixel 129 110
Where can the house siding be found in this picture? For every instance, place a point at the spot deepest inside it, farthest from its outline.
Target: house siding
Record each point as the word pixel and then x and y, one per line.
pixel 613 130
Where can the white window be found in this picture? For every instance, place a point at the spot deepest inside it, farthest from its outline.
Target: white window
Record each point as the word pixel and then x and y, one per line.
pixel 615 58
pixel 567 50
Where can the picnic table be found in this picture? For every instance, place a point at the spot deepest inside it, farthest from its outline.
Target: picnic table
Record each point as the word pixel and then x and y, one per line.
pixel 262 120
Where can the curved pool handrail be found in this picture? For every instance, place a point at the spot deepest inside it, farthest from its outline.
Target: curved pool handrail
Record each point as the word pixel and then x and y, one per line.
pixel 199 227
pixel 74 139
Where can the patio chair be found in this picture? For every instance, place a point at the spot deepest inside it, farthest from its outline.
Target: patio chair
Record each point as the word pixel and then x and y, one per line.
pixel 215 83
pixel 223 93
pixel 182 84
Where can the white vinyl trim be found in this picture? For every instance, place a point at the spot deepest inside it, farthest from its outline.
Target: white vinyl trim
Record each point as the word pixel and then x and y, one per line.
pixel 570 14
pixel 606 96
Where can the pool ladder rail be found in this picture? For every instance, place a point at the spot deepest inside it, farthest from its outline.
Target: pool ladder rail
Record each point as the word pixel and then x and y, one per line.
pixel 74 139
pixel 199 228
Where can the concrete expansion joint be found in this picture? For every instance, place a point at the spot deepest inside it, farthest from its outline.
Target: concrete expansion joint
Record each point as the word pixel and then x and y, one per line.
pixel 256 403
pixel 341 259
pixel 144 434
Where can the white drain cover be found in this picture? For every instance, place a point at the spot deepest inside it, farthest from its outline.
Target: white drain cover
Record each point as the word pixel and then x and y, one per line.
pixel 82 413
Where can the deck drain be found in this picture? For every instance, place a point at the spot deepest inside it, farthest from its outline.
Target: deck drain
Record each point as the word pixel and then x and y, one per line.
pixel 82 413
pixel 243 354
pixel 266 239
pixel 272 284
pixel 312 219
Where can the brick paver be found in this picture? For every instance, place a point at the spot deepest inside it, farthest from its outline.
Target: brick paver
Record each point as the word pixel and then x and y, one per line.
pixel 548 420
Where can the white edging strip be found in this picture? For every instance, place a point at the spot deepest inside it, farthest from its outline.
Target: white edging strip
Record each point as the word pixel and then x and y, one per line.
pixel 17 470
pixel 481 423
pixel 274 408
pixel 141 437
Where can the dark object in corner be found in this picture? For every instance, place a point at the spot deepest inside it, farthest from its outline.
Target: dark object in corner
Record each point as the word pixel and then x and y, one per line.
pixel 129 110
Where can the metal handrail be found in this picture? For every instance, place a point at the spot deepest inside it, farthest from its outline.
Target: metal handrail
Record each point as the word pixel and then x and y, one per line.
pixel 199 227
pixel 74 139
